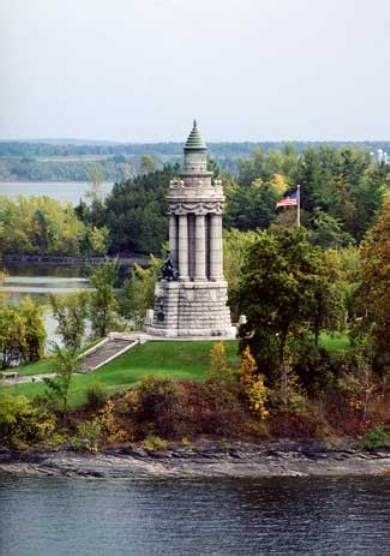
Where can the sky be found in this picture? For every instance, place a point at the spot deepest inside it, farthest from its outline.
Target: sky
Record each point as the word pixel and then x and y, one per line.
pixel 141 70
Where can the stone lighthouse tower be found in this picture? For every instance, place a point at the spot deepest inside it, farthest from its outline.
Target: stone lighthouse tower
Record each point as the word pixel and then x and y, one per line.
pixel 191 298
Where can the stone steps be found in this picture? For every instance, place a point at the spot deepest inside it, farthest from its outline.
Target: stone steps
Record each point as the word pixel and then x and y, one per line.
pixel 106 352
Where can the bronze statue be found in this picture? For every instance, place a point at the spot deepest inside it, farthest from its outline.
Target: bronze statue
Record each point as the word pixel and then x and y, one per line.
pixel 168 271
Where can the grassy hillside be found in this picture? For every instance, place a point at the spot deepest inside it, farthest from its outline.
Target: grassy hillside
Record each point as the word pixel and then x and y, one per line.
pixel 176 359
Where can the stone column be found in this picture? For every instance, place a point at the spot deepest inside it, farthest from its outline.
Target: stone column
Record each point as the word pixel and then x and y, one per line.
pixel 183 247
pixel 216 248
pixel 200 248
pixel 173 239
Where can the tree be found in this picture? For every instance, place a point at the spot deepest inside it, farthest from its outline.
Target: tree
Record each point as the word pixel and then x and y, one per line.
pixel 135 212
pixel 70 312
pixel 236 245
pixel 328 304
pixel 99 238
pixel 250 206
pixel 148 164
pixel 328 231
pixel 22 332
pixel 35 330
pixel 138 291
pixel 265 165
pixel 284 289
pixel 374 292
pixel 39 225
pixel 103 302
pixel 13 347
pixel 66 363
pixel 219 370
pixel 253 384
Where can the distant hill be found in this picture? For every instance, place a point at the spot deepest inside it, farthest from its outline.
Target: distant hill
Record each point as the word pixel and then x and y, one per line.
pixel 73 159
pixel 74 147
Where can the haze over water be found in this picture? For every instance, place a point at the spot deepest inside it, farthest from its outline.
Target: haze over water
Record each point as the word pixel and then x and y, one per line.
pixel 70 191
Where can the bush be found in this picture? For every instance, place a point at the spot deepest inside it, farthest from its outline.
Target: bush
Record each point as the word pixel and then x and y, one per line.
pixel 295 426
pixel 112 425
pixel 158 409
pixel 212 408
pixel 22 423
pixel 96 395
pixel 154 443
pixel 88 436
pixel 376 438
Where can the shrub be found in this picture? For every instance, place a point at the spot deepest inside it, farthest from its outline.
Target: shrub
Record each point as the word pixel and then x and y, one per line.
pixel 185 442
pixel 294 425
pixel 113 426
pixel 88 435
pixel 288 396
pixel 257 396
pixel 154 443
pixel 158 409
pixel 212 408
pixel 22 423
pixel 376 438
pixel 96 395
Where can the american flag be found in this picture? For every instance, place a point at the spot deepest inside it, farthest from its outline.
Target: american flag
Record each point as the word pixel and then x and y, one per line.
pixel 289 201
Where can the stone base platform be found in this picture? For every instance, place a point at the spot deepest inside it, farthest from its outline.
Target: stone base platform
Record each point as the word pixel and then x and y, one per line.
pixel 190 309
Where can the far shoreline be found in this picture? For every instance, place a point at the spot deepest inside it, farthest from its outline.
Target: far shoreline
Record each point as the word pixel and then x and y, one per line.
pixel 57 260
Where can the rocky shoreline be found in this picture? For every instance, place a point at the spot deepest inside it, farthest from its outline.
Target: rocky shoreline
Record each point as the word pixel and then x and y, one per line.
pixel 270 459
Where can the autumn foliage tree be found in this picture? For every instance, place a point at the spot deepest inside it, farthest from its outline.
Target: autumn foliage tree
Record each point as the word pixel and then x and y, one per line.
pixel 219 370
pixel 252 383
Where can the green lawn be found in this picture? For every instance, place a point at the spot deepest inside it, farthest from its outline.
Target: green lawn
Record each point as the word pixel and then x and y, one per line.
pixel 336 342
pixel 39 368
pixel 174 359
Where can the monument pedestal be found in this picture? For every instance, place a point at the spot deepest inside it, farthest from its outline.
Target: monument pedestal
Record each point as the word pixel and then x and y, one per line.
pixel 185 309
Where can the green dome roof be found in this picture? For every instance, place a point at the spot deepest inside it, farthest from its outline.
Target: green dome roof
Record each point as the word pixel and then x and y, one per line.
pixel 195 141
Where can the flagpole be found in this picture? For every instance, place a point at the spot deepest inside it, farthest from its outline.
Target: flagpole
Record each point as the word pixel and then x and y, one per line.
pixel 298 206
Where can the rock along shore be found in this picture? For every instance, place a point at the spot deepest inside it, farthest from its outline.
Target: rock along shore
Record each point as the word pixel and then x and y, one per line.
pixel 270 459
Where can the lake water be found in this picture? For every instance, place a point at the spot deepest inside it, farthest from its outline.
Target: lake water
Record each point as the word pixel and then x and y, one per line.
pixel 62 191
pixel 38 282
pixel 271 516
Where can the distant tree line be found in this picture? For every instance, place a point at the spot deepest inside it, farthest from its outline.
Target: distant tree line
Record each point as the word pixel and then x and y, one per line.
pixel 35 161
pixel 44 226
pixel 235 149
pixel 115 168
